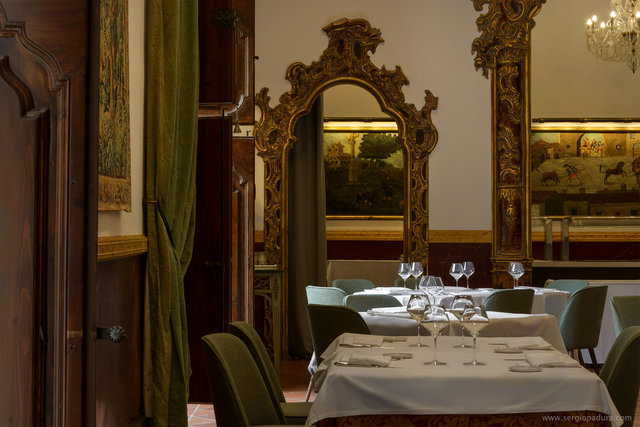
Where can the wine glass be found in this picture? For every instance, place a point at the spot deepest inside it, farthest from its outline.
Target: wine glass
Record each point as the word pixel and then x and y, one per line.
pixel 435 321
pixel 475 319
pixel 468 269
pixel 424 284
pixel 439 285
pixel 404 271
pixel 456 271
pixel 416 270
pixel 516 270
pixel 416 307
pixel 459 304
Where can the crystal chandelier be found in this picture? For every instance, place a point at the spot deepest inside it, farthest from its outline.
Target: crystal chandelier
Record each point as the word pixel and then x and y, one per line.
pixel 617 39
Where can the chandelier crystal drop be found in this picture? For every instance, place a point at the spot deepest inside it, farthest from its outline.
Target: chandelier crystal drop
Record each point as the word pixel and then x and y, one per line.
pixel 617 39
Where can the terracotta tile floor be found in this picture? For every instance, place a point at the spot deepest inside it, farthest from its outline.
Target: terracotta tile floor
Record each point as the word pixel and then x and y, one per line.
pixel 294 379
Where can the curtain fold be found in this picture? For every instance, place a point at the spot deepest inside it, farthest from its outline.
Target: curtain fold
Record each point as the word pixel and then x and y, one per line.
pixel 307 226
pixel 171 100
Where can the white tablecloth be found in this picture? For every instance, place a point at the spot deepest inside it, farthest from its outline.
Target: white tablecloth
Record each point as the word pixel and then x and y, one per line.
pixel 500 325
pixel 411 387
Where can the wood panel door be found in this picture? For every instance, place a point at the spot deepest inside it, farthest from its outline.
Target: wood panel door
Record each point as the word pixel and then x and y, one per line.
pixel 47 213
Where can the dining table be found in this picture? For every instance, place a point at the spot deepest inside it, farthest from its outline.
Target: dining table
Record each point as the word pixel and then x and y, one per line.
pixel 524 380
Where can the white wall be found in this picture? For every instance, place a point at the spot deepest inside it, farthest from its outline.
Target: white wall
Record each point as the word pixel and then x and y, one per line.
pixel 126 223
pixel 431 41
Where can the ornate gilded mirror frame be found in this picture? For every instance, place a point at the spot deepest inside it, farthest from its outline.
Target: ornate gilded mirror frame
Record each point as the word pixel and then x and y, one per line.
pixel 504 47
pixel 345 60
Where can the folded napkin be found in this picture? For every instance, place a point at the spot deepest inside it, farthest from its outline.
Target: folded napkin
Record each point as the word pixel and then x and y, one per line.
pixel 526 343
pixel 390 311
pixel 549 359
pixel 366 360
pixel 363 340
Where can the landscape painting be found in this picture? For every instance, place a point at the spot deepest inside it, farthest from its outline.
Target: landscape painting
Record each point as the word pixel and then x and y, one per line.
pixel 364 173
pixel 588 172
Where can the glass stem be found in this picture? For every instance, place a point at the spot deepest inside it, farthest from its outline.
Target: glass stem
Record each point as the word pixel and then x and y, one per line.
pixel 418 345
pixel 467 281
pixel 405 283
pixel 462 335
pixel 435 349
pixel 474 349
pixel 515 283
pixel 456 283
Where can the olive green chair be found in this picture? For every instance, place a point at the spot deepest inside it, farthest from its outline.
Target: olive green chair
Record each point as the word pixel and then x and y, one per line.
pixel 626 311
pixel 294 412
pixel 351 286
pixel 568 285
pixel 581 320
pixel 621 372
pixel 367 302
pixel 325 295
pixel 328 322
pixel 517 301
pixel 240 395
pixel 412 282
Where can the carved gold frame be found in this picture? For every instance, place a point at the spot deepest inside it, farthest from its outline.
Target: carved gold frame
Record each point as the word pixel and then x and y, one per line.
pixel 345 61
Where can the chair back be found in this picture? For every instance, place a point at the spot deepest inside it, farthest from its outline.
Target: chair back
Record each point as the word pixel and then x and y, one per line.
pixel 626 311
pixel 510 301
pixel 325 295
pixel 367 302
pixel 351 286
pixel 327 322
pixel 582 317
pixel 412 282
pixel 256 347
pixel 240 396
pixel 568 285
pixel 621 372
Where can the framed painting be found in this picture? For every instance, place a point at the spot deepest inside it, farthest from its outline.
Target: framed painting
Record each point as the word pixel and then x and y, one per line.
pixel 585 169
pixel 364 170
pixel 114 152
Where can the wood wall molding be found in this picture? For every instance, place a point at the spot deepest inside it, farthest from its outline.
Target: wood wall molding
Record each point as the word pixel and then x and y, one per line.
pixel 591 236
pixel 435 236
pixel 115 247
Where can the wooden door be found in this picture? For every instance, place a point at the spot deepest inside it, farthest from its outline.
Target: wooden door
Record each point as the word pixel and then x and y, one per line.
pixel 47 216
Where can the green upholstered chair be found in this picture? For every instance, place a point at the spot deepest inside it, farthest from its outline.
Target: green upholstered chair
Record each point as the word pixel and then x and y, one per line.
pixel 325 295
pixel 411 282
pixel 621 372
pixel 351 286
pixel 581 320
pixel 240 396
pixel 327 322
pixel 626 311
pixel 510 301
pixel 568 285
pixel 367 302
pixel 294 412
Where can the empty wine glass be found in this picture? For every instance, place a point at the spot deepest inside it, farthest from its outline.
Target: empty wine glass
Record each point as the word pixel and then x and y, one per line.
pixel 516 270
pixel 435 321
pixel 416 307
pixel 475 319
pixel 404 271
pixel 439 285
pixel 435 287
pixel 416 270
pixel 424 284
pixel 456 271
pixel 459 304
pixel 468 269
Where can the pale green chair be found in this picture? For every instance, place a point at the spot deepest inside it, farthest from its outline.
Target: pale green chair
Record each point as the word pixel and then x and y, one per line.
pixel 412 282
pixel 626 311
pixel 621 372
pixel 581 320
pixel 568 285
pixel 325 295
pixel 366 302
pixel 240 395
pixel 517 301
pixel 351 286
pixel 294 412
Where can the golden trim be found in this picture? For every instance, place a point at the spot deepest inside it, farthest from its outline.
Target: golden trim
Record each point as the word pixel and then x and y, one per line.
pixel 569 126
pixel 435 236
pixel 363 217
pixel 115 247
pixel 591 236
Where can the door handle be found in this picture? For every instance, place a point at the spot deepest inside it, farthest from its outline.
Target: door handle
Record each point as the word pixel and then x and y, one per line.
pixel 115 334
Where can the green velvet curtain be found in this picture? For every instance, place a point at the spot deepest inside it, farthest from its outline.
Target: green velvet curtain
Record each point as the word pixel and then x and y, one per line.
pixel 171 100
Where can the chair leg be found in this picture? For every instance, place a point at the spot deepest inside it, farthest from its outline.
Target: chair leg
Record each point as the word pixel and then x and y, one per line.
pixel 594 362
pixel 580 356
pixel 306 399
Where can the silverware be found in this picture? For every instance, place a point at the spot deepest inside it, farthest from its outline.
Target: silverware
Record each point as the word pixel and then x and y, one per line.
pixel 359 365
pixel 362 346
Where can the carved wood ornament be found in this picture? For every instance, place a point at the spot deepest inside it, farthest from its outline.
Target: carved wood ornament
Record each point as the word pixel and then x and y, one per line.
pixel 346 61
pixel 504 47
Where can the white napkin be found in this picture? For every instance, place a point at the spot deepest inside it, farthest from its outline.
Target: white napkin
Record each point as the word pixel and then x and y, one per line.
pixel 363 340
pixel 549 359
pixel 389 310
pixel 366 359
pixel 526 343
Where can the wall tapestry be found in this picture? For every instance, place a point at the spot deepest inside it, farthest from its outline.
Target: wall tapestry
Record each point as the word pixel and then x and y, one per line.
pixel 114 153
pixel 364 173
pixel 585 172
